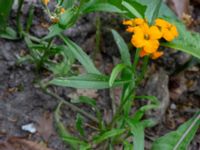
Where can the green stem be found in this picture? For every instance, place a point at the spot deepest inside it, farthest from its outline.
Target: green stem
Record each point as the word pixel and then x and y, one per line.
pixel 120 108
pixel 112 96
pixel 136 59
pixel 33 38
pixel 143 71
pixel 19 25
pixel 46 52
pixel 73 107
pixel 97 36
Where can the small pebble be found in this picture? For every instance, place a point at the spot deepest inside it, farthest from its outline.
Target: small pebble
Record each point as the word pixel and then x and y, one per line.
pixel 29 128
pixel 173 106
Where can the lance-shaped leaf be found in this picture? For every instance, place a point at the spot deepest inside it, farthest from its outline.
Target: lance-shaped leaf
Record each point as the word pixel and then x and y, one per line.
pixel 87 81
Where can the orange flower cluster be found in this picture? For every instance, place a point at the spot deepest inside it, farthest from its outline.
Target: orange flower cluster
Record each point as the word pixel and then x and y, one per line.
pixel 147 37
pixel 45 2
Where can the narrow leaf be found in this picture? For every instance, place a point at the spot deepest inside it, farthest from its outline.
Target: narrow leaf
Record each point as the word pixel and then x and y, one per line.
pixel 107 134
pixel 79 124
pixel 179 139
pixel 85 100
pixel 102 7
pixel 115 72
pixel 131 9
pixel 81 56
pixel 123 48
pixel 87 81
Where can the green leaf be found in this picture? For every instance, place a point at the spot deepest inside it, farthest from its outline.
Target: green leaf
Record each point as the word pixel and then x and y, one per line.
pixel 123 48
pixel 73 141
pixel 127 145
pixel 155 8
pixel 165 11
pixel 107 134
pixel 85 100
pixel 81 56
pixel 131 9
pixel 5 8
pixel 68 18
pixel 179 139
pixel 137 7
pixel 153 105
pixel 63 133
pixel 115 72
pixel 79 124
pixel 101 7
pixel 68 3
pixel 87 81
pixel 53 31
pixel 137 129
pixel 63 67
pixel 154 102
pixel 8 33
pixel 30 18
pixel 152 10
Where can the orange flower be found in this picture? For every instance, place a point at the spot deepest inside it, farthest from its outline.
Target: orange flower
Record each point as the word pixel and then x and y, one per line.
pixel 146 37
pixel 168 30
pixel 133 23
pixel 45 2
pixel 62 10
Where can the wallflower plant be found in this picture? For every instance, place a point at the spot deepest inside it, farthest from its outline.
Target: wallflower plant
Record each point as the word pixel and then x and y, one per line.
pixel 124 124
pixel 150 29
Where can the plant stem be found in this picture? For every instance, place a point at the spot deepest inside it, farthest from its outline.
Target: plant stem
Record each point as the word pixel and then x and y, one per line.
pixel 136 59
pixel 144 69
pixel 112 96
pixel 19 25
pixel 120 108
pixel 41 62
pixel 97 36
pixel 73 107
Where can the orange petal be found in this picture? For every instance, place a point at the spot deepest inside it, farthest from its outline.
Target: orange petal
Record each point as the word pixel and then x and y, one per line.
pixel 128 22
pixel 145 28
pixel 162 23
pixel 45 2
pixel 168 36
pixel 151 46
pixel 130 29
pixel 154 33
pixel 143 53
pixel 137 41
pixel 138 21
pixel 174 31
pixel 156 55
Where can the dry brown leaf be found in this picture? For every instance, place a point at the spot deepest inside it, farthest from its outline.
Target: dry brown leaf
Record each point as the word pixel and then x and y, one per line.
pixel 45 126
pixel 15 143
